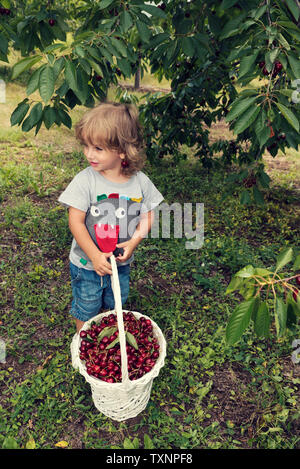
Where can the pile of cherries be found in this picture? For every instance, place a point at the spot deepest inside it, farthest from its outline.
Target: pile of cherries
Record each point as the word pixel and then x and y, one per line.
pixel 100 348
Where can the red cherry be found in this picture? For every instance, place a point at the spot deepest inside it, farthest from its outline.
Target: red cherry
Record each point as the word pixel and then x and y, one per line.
pixel 295 294
pixel 261 64
pixel 51 22
pixel 265 71
pixel 298 280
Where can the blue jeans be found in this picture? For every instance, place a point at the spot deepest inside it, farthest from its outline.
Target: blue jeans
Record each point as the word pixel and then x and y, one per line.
pixel 91 292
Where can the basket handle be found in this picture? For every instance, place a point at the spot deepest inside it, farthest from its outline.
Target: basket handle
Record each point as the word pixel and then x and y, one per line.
pixel 119 310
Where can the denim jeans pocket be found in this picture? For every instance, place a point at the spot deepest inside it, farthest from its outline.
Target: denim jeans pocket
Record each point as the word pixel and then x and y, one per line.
pixel 75 273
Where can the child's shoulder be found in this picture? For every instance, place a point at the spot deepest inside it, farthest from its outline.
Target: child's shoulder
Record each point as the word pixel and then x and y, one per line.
pixel 84 174
pixel 142 177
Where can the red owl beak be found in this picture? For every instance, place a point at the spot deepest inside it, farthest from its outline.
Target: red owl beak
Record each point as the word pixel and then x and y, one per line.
pixel 107 236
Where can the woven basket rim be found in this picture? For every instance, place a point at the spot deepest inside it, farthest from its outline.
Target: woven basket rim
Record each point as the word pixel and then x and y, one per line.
pixel 132 383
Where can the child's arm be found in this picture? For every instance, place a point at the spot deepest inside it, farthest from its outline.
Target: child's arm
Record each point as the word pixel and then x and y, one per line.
pixel 84 240
pixel 142 229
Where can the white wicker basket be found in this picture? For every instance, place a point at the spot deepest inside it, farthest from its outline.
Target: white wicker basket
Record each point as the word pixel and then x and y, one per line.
pixel 120 401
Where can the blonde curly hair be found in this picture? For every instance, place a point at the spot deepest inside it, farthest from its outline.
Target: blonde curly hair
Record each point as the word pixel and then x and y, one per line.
pixel 115 126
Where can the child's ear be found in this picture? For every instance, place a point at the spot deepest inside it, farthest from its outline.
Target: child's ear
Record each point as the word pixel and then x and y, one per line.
pixel 122 156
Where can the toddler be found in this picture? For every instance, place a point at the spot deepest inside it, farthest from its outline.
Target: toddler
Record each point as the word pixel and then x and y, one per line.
pixel 110 206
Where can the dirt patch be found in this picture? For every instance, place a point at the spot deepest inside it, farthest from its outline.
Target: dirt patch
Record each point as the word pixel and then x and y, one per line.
pixel 144 89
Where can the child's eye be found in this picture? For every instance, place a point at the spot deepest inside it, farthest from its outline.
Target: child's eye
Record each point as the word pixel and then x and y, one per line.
pixel 98 148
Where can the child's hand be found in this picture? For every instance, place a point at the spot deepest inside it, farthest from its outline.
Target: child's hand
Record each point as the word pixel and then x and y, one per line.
pixel 128 248
pixel 101 264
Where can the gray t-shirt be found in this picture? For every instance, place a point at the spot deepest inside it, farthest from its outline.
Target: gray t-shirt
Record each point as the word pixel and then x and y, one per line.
pixel 112 209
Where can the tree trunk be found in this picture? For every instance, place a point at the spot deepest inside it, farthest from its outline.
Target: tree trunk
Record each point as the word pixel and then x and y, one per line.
pixel 137 77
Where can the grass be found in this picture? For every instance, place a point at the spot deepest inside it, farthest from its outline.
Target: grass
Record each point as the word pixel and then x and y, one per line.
pixel 208 395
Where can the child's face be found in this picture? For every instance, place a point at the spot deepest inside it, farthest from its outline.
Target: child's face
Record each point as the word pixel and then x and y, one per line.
pixel 102 159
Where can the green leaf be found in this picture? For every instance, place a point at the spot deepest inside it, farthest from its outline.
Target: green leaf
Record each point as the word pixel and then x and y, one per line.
pixel 119 46
pixel 124 66
pixel 104 4
pixel 259 12
pixel 95 67
pixel 46 83
pixel 128 444
pixel 23 65
pixel 3 45
pixel 106 54
pixel 262 320
pixel 187 46
pixel 49 116
pixel 82 91
pixel 245 197
pixel 232 26
pixel 148 444
pixel 244 121
pixel 239 106
pixel 227 4
pixel 106 332
pixel 125 21
pixel 295 65
pixel 113 343
pixel 296 265
pixel 58 66
pixel 246 64
pixel 143 30
pixel 239 321
pixel 153 10
pixel 284 258
pixel 33 82
pixel 296 304
pixel 158 39
pixel 264 179
pixel 280 316
pixel 34 117
pixel 289 116
pixel 283 41
pixel 247 291
pixel 9 443
pixel 65 118
pixel 30 444
pixel 263 272
pixel 273 54
pixel 262 132
pixel 292 313
pixel 258 196
pixel 131 340
pixel 246 272
pixel 235 284
pixel 70 75
pixel 294 8
pixel 19 113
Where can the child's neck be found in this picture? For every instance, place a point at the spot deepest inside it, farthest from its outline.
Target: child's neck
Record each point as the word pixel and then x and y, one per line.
pixel 114 175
